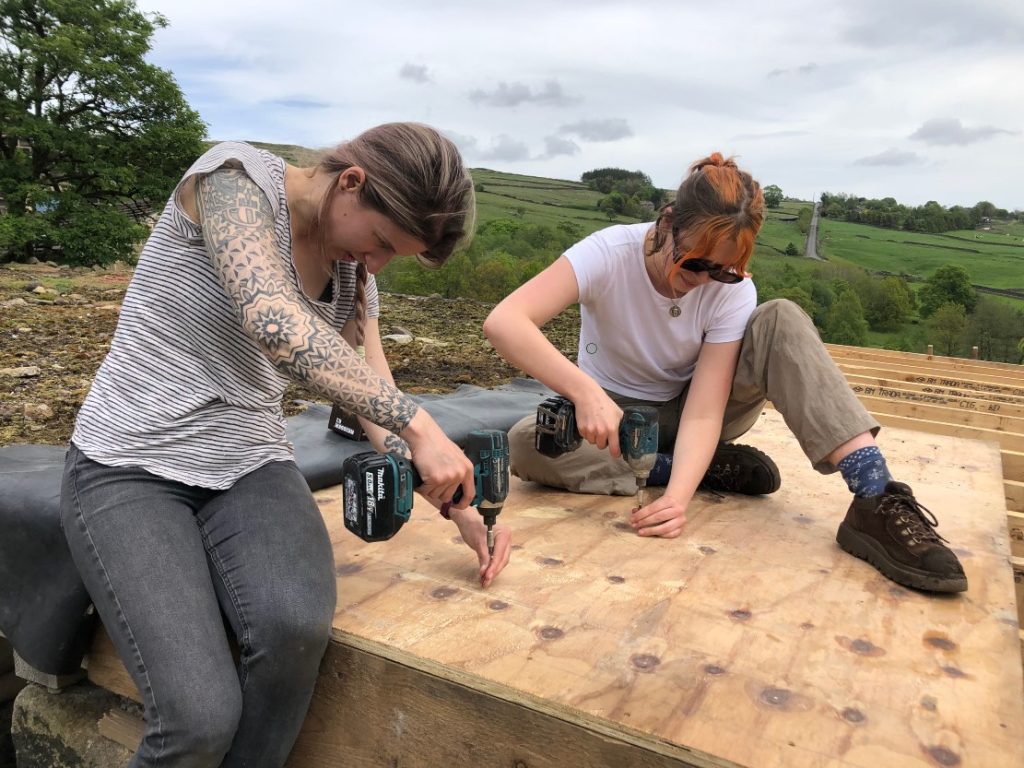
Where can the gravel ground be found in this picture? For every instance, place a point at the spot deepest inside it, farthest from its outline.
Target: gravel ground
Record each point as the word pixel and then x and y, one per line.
pixel 56 324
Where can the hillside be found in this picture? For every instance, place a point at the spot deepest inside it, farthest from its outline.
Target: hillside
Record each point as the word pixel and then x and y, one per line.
pixel 993 256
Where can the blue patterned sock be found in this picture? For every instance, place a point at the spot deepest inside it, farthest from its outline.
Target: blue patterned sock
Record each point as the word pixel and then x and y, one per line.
pixel 865 471
pixel 661 471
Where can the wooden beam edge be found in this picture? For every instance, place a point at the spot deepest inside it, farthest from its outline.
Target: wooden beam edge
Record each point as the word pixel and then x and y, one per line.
pixel 565 713
pixel 847 349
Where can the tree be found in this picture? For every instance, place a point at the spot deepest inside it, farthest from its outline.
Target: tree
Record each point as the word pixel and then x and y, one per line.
pixel 495 277
pixel 845 323
pixel 798 296
pixel 984 210
pixel 995 327
pixel 888 304
pixel 635 185
pixel 803 219
pixel 791 250
pixel 772 196
pixel 947 323
pixel 612 205
pixel 949 283
pixel 86 125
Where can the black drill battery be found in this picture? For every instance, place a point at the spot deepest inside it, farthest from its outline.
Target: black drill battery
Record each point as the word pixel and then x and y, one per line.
pixel 378 494
pixel 556 432
pixel 345 423
pixel 377 488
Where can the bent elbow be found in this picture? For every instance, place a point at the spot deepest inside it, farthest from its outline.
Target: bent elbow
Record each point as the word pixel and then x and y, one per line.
pixel 494 326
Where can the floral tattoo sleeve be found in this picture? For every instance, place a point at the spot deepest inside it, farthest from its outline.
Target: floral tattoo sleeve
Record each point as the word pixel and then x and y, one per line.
pixel 238 230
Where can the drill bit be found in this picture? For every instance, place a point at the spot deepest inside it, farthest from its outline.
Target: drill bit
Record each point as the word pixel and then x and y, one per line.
pixel 490 541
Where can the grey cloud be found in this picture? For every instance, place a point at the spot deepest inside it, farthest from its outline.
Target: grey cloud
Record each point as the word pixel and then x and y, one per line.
pixel 611 129
pixel 556 145
pixel 891 157
pixel 467 144
pixel 926 24
pixel 803 69
pixel 506 148
pixel 415 72
pixel 947 131
pixel 514 94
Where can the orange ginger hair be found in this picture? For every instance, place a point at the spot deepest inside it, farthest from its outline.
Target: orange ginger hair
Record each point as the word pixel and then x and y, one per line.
pixel 717 200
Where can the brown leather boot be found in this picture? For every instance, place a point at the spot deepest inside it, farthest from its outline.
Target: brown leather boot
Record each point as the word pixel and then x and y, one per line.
pixel 897 535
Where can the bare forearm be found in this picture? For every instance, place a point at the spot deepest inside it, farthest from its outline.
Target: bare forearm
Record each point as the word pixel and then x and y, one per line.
pixel 695 445
pixel 525 346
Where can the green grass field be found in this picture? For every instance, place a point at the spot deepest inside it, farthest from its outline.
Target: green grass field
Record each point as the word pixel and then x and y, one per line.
pixel 538 201
pixel 992 259
pixel 780 229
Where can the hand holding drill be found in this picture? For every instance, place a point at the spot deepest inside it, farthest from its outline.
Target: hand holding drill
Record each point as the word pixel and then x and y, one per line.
pixel 557 434
pixel 378 493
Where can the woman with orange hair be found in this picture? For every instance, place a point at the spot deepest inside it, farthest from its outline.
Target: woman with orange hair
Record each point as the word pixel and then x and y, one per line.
pixel 669 319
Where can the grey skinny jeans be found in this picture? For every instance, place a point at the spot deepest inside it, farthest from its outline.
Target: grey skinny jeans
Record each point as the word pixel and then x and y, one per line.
pixel 167 564
pixel 782 360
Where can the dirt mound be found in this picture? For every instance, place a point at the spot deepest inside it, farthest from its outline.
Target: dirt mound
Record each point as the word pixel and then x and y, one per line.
pixel 56 324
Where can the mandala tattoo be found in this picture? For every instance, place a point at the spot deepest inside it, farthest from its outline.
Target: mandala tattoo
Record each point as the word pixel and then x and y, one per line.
pixel 238 228
pixel 273 328
pixel 395 444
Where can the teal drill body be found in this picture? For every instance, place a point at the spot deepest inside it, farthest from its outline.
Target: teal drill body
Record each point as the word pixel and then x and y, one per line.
pixel 378 488
pixel 556 434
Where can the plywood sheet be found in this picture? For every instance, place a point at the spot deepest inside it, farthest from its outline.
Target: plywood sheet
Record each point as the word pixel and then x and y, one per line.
pixel 752 638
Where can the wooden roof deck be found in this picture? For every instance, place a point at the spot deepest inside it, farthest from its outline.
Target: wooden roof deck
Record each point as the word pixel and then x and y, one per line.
pixel 752 640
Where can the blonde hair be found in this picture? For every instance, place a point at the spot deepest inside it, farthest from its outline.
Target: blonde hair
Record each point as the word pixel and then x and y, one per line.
pixel 415 177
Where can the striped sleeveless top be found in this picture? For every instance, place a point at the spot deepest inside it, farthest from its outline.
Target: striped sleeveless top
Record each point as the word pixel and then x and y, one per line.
pixel 184 392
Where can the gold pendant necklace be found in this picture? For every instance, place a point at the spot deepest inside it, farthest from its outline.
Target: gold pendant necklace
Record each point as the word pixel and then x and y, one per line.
pixel 674 310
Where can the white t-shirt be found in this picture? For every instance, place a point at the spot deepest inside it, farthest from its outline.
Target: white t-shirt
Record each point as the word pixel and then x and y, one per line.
pixel 629 343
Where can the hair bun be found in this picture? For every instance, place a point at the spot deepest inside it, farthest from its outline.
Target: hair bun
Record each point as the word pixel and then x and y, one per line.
pixel 716 159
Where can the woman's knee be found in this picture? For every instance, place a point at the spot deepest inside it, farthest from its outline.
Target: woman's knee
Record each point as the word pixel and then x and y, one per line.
pixel 199 723
pixel 782 315
pixel 521 443
pixel 295 638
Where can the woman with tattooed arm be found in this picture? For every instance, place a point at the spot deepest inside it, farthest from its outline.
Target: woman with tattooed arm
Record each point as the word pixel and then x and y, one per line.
pixel 181 501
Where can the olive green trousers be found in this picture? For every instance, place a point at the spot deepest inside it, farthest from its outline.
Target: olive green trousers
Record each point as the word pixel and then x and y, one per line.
pixel 782 361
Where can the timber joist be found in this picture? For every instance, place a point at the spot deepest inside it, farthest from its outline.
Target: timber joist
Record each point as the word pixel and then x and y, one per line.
pixel 948 396
pixel 1002 387
pixel 959 398
pixel 908 391
pixel 935 362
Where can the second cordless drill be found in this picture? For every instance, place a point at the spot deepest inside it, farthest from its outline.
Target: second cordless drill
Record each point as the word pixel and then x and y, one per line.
pixel 556 434
pixel 378 487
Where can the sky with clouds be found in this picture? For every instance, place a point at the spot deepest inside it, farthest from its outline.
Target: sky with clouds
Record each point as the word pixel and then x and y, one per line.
pixel 914 99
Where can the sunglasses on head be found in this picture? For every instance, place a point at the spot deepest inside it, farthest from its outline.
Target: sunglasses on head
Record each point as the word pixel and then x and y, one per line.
pixel 715 271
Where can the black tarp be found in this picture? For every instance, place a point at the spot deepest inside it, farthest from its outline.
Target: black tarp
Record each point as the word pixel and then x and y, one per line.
pixel 44 608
